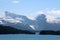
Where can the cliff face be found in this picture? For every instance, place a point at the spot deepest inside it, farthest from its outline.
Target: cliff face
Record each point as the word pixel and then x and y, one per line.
pixel 11 30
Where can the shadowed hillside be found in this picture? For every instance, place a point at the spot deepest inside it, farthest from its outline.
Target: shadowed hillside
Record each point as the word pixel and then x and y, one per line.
pixel 11 30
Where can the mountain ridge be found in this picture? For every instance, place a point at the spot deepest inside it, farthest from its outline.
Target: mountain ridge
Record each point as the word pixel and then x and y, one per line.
pixel 23 22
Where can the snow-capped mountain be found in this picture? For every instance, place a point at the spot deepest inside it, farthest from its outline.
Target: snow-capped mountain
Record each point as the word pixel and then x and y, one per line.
pixel 16 21
pixel 24 23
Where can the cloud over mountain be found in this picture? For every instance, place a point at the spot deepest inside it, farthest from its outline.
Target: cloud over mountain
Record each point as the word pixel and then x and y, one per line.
pixel 41 22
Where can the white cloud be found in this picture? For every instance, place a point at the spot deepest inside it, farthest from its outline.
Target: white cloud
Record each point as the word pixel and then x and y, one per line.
pixel 51 14
pixel 40 12
pixel 2 15
pixel 15 1
pixel 50 18
pixel 49 11
pixel 55 12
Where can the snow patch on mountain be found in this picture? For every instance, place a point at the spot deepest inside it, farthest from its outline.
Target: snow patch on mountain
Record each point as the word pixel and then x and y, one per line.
pixel 26 23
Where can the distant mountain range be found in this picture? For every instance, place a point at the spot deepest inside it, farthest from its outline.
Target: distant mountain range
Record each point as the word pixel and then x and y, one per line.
pixel 16 21
pixel 24 23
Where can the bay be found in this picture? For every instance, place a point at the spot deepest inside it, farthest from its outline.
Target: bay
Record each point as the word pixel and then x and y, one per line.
pixel 29 37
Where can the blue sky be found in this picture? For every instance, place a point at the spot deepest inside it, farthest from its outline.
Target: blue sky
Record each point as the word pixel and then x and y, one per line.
pixel 31 7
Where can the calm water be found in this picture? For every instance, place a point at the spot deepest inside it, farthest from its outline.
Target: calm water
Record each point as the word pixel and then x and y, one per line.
pixel 29 37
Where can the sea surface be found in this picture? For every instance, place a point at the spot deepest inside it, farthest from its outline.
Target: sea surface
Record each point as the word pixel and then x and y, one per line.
pixel 29 37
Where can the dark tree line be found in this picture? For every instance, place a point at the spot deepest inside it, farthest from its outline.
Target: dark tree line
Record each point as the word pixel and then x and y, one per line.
pixel 11 30
pixel 49 32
